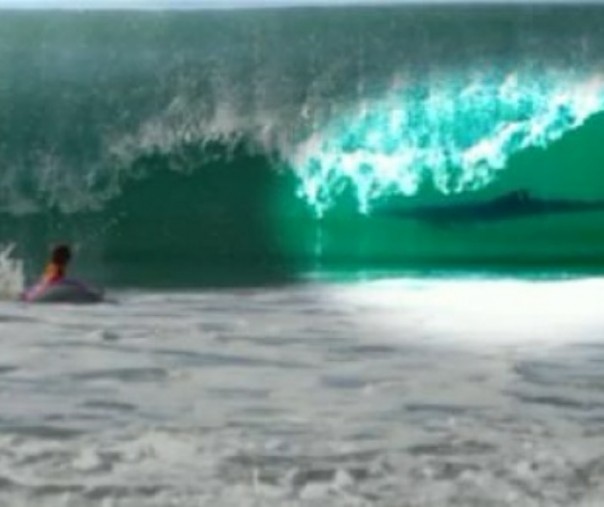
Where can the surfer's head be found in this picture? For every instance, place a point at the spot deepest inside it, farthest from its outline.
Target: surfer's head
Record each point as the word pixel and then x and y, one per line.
pixel 61 255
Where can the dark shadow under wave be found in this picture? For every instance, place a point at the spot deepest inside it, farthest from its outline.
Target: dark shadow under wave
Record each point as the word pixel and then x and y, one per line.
pixel 513 205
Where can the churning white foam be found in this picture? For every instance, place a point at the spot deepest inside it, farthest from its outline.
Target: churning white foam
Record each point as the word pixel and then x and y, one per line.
pixel 456 135
pixel 12 278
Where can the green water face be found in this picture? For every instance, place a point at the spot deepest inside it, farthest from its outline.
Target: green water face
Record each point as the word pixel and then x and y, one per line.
pixel 517 236
pixel 243 223
pixel 252 147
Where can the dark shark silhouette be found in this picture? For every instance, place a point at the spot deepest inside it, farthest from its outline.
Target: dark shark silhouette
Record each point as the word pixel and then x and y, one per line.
pixel 513 205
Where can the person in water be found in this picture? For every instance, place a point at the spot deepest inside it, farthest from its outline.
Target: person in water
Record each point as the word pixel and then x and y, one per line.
pixel 57 267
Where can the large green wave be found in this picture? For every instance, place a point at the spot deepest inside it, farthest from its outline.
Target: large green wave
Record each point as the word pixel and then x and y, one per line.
pixel 258 146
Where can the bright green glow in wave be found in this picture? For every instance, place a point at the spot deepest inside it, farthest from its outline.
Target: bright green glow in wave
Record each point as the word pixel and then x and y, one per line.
pixel 453 137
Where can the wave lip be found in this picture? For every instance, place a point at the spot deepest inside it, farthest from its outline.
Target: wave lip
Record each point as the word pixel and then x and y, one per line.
pixel 456 137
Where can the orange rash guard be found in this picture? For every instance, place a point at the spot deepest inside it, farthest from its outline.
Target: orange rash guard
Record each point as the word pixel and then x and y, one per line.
pixel 53 273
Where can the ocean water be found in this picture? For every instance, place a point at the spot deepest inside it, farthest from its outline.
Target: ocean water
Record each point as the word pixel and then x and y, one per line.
pixel 352 256
pixel 410 392
pixel 216 147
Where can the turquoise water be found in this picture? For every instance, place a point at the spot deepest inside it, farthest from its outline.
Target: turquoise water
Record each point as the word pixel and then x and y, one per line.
pixel 260 146
pixel 443 162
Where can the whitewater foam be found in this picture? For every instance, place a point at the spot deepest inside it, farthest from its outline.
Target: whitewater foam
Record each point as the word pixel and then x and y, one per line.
pixel 454 137
pixel 367 394
pixel 12 279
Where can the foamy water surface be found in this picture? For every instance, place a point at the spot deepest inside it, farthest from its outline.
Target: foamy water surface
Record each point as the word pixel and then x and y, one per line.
pixel 410 392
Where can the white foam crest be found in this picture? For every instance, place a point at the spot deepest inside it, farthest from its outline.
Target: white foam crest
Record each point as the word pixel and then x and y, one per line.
pixel 456 138
pixel 76 185
pixel 185 122
pixel 12 278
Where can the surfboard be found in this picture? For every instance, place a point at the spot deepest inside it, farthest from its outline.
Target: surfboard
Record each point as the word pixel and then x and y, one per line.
pixel 68 290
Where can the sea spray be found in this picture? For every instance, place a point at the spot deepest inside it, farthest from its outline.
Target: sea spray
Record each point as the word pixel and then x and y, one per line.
pixel 456 138
pixel 12 280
